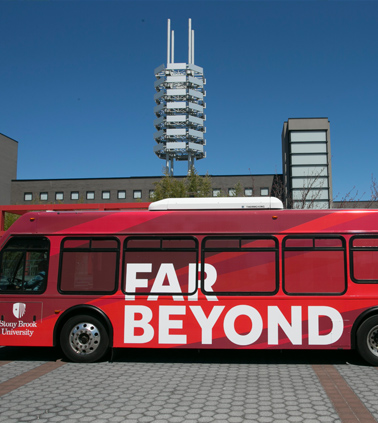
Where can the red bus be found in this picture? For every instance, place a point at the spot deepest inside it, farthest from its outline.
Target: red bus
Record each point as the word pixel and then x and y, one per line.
pixel 191 273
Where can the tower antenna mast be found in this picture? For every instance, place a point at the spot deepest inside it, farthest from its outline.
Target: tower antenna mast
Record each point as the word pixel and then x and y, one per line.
pixel 180 105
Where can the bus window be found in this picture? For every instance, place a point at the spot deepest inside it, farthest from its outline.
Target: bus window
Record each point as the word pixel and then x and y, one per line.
pixel 24 265
pixel 314 265
pixel 89 265
pixel 244 265
pixel 160 266
pixel 364 259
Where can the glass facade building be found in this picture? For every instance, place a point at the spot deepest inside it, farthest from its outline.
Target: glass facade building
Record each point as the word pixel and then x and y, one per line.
pixel 306 163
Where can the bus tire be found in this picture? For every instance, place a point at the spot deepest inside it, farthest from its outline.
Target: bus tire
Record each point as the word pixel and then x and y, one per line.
pixel 84 339
pixel 367 340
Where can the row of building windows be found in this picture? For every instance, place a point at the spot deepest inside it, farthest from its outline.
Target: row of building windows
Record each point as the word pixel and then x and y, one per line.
pixel 89 195
pixel 137 194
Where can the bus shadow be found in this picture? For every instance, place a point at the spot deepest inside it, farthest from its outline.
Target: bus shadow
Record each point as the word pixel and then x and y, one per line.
pixel 29 354
pixel 208 356
pixel 238 356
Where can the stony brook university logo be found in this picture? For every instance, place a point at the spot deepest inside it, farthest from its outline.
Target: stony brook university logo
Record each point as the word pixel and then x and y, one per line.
pixel 19 310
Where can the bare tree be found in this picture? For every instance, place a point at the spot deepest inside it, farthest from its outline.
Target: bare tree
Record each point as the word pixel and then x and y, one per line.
pixel 374 189
pixel 306 197
pixel 350 200
pixel 311 191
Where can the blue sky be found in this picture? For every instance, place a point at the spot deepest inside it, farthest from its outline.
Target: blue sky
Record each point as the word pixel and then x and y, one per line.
pixel 77 83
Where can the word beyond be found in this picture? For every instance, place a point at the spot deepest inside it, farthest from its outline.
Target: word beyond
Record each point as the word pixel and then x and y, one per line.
pixel 140 330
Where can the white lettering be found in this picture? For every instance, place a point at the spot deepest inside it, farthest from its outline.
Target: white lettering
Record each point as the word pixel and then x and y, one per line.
pixel 192 281
pixel 26 332
pixel 168 328
pixel 229 325
pixel 314 336
pixel 166 272
pixel 166 281
pixel 165 324
pixel 207 323
pixel 144 323
pixel 209 281
pixel 22 324
pixel 7 324
pixel 293 331
pixel 132 283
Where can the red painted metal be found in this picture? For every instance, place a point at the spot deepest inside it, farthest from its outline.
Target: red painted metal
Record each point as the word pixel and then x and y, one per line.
pixel 26 208
pixel 196 294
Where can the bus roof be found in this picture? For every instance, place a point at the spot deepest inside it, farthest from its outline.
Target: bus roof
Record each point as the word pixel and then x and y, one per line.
pixel 217 203
pixel 189 222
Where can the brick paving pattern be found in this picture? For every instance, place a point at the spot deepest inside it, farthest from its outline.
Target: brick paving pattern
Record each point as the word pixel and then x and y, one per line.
pixel 149 390
pixel 347 404
pixel 363 380
pixel 16 368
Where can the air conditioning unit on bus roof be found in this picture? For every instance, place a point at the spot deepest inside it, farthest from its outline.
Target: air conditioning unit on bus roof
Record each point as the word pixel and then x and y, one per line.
pixel 217 203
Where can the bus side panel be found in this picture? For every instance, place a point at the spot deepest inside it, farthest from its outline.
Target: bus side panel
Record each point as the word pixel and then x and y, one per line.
pixel 236 323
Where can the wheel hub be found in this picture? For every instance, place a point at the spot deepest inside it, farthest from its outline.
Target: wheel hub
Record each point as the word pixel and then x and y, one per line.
pixel 85 338
pixel 372 340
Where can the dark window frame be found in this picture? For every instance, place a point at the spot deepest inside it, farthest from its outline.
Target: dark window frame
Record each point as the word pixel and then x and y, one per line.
pixel 351 260
pixel 136 192
pixel 89 250
pixel 89 193
pixel 256 249
pixel 72 194
pixel 104 192
pixel 119 192
pixel 160 249
pixel 314 248
pixel 247 189
pixel 57 194
pixel 22 290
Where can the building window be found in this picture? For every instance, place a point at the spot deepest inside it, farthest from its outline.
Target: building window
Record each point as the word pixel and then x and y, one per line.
pixel 231 192
pixel 264 191
pixel 28 196
pixel 106 195
pixel 308 136
pixel 90 195
pixel 74 195
pixel 216 192
pixel 59 196
pixel 121 195
pixel 137 194
pixel 43 196
pixel 152 193
pixel 248 192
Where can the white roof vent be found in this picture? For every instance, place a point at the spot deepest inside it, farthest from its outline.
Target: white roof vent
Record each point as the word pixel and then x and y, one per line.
pixel 217 203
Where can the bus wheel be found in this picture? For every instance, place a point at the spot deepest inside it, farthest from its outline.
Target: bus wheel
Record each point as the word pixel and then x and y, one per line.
pixel 84 339
pixel 367 340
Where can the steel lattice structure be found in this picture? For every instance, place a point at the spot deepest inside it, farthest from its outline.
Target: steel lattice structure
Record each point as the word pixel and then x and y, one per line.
pixel 180 121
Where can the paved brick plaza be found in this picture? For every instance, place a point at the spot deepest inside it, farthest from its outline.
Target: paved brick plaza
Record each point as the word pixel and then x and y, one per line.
pixel 187 386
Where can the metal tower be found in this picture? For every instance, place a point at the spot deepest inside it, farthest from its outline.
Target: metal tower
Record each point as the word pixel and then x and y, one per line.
pixel 180 107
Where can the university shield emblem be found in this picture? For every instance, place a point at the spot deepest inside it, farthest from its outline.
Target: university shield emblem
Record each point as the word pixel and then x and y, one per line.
pixel 19 310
